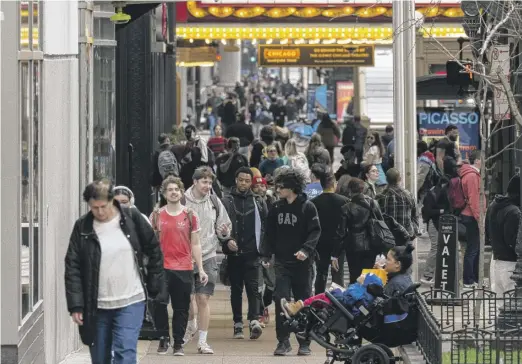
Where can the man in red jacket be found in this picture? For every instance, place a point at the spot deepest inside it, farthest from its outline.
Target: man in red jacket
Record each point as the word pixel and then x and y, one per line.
pixel 470 179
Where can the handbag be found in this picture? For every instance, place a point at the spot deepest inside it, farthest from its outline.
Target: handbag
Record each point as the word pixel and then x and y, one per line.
pixel 381 237
pixel 223 272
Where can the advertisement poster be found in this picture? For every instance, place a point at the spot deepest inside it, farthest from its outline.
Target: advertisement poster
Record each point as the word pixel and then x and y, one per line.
pixel 431 125
pixel 310 101
pixel 324 100
pixel 344 94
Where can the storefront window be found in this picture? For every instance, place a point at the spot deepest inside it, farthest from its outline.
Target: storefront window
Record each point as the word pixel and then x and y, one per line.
pixel 25 254
pixel 30 214
pixel 104 130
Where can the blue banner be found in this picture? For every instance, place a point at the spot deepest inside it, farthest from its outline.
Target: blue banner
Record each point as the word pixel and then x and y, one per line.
pixel 431 125
pixel 310 101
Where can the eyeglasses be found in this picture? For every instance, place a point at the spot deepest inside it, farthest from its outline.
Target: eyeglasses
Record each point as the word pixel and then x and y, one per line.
pixel 272 151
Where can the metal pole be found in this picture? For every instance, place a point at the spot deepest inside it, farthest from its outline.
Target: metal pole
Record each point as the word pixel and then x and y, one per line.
pixel 171 24
pixel 410 109
pixel 398 83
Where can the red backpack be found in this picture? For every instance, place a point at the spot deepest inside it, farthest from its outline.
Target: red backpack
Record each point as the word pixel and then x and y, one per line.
pixel 458 200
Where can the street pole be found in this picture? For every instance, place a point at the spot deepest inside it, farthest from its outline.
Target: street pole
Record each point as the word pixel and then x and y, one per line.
pixel 398 84
pixel 410 108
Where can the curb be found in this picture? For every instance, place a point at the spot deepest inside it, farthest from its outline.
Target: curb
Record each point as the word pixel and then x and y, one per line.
pixel 411 355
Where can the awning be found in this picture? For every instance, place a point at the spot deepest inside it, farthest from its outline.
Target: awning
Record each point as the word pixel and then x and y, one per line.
pixel 435 87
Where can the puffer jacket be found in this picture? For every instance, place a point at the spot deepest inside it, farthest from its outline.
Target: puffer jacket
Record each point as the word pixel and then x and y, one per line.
pixel 82 265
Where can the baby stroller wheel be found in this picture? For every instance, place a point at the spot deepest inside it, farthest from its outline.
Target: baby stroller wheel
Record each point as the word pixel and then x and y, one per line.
pixel 371 354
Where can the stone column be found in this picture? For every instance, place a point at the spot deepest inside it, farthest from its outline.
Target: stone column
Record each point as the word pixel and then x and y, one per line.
pixel 229 67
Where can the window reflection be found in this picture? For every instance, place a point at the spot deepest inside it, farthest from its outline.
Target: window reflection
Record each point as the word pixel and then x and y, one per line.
pixel 36 183
pixel 25 253
pixel 104 130
pixel 36 22
pixel 24 25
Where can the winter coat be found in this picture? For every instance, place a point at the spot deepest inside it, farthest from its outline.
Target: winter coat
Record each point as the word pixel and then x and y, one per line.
pixel 82 265
pixel 502 220
pixel 357 293
pixel 330 135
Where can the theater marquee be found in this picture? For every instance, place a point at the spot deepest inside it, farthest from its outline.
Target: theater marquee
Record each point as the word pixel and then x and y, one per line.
pixel 316 55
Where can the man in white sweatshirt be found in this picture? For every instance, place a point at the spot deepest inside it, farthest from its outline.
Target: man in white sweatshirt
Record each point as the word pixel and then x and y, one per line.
pixel 215 226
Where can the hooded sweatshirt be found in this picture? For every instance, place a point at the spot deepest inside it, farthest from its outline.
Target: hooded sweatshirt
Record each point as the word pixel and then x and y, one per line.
pixel 470 178
pixel 502 221
pixel 208 215
pixel 291 228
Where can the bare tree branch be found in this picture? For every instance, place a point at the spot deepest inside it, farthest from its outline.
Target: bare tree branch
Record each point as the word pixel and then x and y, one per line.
pixel 515 113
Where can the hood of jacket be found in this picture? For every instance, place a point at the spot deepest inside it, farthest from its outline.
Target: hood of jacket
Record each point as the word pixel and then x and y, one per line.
pixel 189 195
pixel 467 169
pixel 236 193
pixel 503 201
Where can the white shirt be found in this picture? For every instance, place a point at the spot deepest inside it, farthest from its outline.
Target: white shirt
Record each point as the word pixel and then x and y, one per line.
pixel 119 283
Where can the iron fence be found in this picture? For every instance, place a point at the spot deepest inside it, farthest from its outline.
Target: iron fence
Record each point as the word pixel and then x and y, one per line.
pixel 476 327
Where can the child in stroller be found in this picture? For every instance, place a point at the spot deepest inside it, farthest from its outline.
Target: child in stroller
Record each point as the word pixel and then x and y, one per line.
pixel 388 321
pixel 356 294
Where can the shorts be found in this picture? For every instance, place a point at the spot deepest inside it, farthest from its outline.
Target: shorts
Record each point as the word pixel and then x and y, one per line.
pixel 211 268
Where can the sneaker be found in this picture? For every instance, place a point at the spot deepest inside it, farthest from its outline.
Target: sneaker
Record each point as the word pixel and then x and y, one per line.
pixel 283 348
pixel 190 333
pixel 178 351
pixel 470 286
pixel 204 348
pixel 304 350
pixel 255 330
pixel 163 346
pixel 291 308
pixel 238 331
pixel 427 280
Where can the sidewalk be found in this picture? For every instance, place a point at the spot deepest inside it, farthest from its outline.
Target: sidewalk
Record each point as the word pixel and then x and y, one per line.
pixel 226 349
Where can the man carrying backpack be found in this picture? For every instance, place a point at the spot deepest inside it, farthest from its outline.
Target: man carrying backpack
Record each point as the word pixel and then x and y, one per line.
pixel 469 175
pixel 164 163
pixel 427 175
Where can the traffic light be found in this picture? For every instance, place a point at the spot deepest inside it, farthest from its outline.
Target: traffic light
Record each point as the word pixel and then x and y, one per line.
pixel 459 73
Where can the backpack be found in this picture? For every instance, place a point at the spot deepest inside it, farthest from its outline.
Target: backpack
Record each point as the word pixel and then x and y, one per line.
pixel 167 164
pixel 215 206
pixel 430 203
pixel 432 178
pixel 381 237
pixel 458 200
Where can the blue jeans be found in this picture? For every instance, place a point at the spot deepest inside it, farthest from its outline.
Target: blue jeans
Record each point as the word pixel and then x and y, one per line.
pixel 211 124
pixel 471 256
pixel 117 331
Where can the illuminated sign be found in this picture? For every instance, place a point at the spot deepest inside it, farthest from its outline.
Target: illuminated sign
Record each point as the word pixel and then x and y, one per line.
pixel 449 118
pixel 316 55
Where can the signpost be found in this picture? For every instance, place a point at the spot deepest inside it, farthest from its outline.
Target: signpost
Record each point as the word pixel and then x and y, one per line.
pixel 316 55
pixel 446 271
pixel 500 61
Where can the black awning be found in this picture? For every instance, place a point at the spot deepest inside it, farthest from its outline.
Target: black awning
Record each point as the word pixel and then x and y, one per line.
pixel 138 10
pixel 435 87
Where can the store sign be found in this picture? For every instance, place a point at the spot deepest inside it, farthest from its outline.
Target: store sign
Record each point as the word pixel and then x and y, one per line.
pixel 432 125
pixel 316 55
pixel 196 55
pixel 449 118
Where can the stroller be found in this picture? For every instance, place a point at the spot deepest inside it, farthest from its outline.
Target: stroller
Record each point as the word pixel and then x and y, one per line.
pixel 336 329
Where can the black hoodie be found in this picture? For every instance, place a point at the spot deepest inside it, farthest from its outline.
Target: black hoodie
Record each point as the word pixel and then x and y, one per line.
pixel 291 228
pixel 502 221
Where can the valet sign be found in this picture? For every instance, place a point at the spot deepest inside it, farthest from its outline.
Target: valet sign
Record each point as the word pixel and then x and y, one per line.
pixel 446 276
pixel 431 125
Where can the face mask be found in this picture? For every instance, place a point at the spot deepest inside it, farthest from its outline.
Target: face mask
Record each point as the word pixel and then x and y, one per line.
pixel 453 138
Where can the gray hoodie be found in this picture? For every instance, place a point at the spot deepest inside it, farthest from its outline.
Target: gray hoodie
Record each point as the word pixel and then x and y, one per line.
pixel 207 219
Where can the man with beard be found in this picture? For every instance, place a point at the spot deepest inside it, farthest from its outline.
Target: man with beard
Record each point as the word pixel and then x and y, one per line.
pixel 247 213
pixel 447 147
pixel 178 231
pixel 292 233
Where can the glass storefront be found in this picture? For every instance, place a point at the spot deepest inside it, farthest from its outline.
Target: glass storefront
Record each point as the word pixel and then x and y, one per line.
pixel 104 79
pixel 30 150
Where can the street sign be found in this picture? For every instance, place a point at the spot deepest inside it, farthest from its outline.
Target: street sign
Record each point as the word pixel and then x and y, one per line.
pixel 316 55
pixel 500 58
pixel 446 270
pixel 501 110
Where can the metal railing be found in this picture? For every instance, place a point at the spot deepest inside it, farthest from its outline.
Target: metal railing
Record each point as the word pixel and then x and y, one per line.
pixel 476 327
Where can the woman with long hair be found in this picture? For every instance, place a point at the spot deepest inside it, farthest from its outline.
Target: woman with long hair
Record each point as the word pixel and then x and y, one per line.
pixel 373 152
pixel 370 176
pixel 296 159
pixel 315 152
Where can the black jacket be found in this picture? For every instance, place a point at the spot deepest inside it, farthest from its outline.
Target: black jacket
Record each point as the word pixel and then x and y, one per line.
pixel 502 221
pixel 352 234
pixel 239 207
pixel 82 265
pixel 241 131
pixel 228 178
pixel 291 228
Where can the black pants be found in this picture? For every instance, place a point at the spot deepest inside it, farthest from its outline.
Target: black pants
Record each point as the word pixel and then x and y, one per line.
pixel 244 272
pixel 322 268
pixel 296 279
pixel 357 261
pixel 179 285
pixel 331 152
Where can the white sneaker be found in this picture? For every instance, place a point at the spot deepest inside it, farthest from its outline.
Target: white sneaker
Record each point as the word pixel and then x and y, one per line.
pixel 204 348
pixel 190 333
